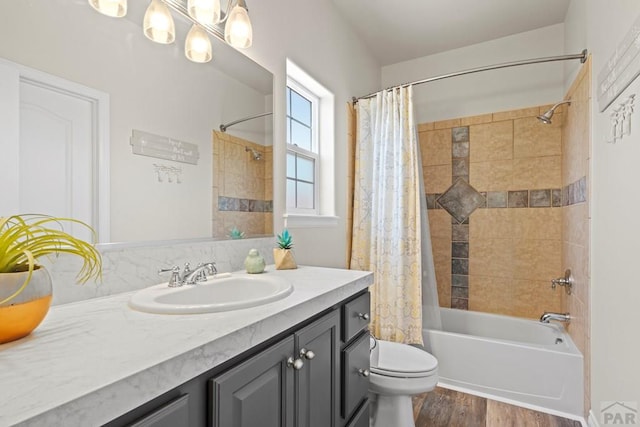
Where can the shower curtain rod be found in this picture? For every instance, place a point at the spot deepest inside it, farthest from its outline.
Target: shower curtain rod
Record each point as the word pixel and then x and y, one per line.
pixel 223 127
pixel 582 56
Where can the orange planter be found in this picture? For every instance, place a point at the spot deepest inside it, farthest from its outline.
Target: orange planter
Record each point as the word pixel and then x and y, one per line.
pixel 23 313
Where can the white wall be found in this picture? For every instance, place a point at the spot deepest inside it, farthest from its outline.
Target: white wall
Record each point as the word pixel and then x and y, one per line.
pixel 615 209
pixel 485 92
pixel 315 37
pixel 152 88
pixel 575 38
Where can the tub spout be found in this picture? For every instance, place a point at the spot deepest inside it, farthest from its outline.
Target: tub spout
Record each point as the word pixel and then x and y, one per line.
pixel 560 317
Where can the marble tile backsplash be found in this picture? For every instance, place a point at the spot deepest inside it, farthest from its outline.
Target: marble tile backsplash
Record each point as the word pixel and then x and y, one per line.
pixel 129 267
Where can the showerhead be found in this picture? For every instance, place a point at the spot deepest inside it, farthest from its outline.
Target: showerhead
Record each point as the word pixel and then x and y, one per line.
pixel 256 154
pixel 546 117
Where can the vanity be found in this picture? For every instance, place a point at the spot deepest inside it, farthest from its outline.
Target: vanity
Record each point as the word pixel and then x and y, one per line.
pixel 299 361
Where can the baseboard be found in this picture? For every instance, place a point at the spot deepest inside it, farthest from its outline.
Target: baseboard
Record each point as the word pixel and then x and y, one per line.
pixel 593 420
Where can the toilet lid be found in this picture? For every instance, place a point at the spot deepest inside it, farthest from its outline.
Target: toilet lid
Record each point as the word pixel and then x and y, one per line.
pixel 402 360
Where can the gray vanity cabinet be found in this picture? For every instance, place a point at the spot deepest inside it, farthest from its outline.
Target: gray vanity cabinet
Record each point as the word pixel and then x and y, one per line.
pixel 318 382
pixel 355 361
pixel 258 392
pixel 295 382
pixel 308 376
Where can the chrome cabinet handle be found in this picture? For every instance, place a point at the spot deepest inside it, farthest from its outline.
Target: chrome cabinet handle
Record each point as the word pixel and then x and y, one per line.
pixel 364 372
pixel 363 316
pixel 307 354
pixel 296 364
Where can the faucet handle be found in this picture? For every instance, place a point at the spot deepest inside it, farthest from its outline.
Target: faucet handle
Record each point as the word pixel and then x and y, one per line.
pixel 566 281
pixel 187 269
pixel 211 268
pixel 175 280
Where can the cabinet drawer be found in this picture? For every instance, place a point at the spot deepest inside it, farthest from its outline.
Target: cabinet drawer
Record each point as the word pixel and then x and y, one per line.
pixel 361 418
pixel 355 374
pixel 355 315
pixel 174 413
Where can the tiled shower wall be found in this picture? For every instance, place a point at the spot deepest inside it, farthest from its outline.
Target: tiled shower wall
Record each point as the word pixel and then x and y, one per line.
pixel 242 187
pixel 576 216
pixel 494 188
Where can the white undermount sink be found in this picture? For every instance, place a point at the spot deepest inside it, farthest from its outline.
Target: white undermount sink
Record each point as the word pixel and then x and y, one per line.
pixel 239 290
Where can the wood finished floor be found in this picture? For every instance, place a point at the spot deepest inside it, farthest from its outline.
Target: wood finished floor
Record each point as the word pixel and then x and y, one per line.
pixel 447 408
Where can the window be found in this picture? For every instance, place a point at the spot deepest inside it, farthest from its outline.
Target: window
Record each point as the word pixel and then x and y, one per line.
pixel 310 169
pixel 303 158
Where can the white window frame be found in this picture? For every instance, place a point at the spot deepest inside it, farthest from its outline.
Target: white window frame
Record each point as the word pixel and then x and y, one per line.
pixel 325 187
pixel 314 153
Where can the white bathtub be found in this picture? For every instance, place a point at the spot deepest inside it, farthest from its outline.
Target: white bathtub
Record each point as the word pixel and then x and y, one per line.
pixel 512 359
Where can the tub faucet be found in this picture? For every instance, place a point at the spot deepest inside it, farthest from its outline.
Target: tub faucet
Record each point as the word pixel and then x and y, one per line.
pixel 560 317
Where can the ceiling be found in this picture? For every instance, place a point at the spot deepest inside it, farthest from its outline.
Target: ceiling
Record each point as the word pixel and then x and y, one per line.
pixel 397 31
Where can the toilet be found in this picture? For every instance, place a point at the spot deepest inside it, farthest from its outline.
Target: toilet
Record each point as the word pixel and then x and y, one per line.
pixel 398 372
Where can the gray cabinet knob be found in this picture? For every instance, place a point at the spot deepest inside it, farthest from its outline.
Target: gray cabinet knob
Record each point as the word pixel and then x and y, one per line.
pixel 363 316
pixel 364 372
pixel 307 354
pixel 296 364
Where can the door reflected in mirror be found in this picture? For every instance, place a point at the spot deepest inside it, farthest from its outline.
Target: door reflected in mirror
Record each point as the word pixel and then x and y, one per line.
pixel 146 87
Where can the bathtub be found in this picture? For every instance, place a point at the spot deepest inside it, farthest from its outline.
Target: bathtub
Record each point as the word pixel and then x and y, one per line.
pixel 510 359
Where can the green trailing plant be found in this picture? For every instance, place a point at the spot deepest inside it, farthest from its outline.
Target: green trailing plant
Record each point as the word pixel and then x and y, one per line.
pixel 26 238
pixel 285 240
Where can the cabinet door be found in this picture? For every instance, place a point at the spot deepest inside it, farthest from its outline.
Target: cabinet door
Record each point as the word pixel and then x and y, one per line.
pixel 174 413
pixel 361 418
pixel 318 384
pixel 258 392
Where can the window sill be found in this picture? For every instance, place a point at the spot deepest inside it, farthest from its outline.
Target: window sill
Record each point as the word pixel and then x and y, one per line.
pixel 309 221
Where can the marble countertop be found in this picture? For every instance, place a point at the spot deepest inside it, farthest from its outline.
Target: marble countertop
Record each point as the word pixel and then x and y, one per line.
pixel 92 361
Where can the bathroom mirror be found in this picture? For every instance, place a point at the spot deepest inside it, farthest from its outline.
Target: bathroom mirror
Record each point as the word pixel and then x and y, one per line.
pixel 183 178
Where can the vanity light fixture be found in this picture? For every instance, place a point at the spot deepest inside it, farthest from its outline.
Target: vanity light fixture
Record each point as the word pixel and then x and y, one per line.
pixel 158 23
pixel 197 46
pixel 113 8
pixel 159 27
pixel 206 12
pixel 237 31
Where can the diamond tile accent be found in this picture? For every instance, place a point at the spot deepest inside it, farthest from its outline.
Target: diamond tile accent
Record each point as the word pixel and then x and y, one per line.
pixel 461 199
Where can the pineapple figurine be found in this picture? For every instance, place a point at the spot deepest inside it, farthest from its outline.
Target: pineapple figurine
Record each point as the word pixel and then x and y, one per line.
pixel 282 254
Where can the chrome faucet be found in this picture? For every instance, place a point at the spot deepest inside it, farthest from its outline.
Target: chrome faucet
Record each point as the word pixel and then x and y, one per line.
pixel 188 276
pixel 199 274
pixel 559 317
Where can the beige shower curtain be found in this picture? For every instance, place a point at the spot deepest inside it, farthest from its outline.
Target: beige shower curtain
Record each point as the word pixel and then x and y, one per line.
pixel 386 214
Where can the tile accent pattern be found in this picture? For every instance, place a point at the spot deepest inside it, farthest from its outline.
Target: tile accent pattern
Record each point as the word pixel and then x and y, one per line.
pixel 460 200
pixel 505 170
pixel 576 192
pixel 230 204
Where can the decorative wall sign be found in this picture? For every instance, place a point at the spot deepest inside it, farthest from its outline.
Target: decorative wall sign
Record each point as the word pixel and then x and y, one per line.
pixel 620 117
pixel 164 147
pixel 621 69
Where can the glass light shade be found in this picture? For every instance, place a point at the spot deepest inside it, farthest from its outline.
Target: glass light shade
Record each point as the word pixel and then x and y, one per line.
pixel 238 32
pixel 197 47
pixel 206 12
pixel 113 8
pixel 158 23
